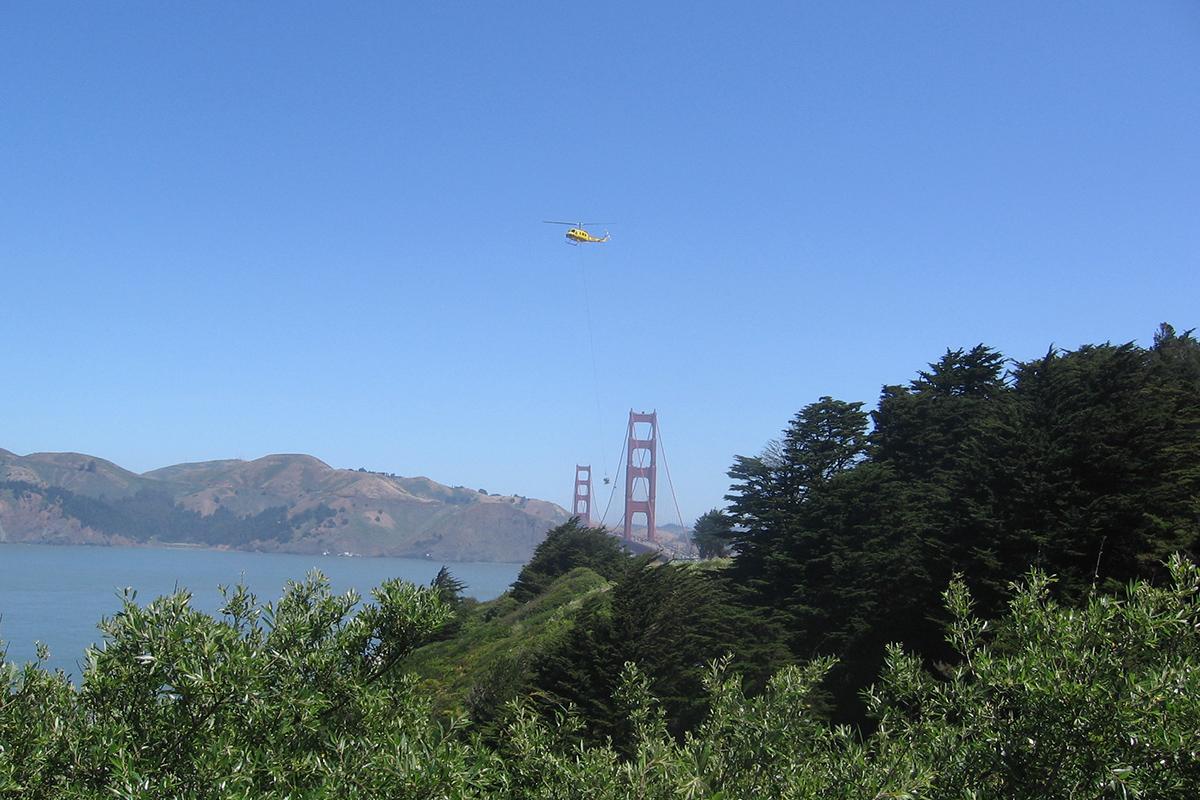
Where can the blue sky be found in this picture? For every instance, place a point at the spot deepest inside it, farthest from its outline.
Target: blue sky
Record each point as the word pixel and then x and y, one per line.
pixel 233 229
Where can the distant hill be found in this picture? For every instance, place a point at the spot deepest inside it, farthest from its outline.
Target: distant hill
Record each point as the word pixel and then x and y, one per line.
pixel 286 503
pixel 76 472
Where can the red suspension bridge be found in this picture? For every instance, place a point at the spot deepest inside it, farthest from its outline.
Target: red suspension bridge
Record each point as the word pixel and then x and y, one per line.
pixel 640 455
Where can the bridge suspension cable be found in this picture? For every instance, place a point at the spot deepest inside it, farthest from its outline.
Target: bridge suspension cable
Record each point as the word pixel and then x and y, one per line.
pixel 663 447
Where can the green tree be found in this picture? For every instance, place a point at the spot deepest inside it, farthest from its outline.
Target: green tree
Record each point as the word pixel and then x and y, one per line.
pixel 1113 455
pixel 670 620
pixel 448 588
pixel 712 532
pixel 1085 463
pixel 769 496
pixel 566 547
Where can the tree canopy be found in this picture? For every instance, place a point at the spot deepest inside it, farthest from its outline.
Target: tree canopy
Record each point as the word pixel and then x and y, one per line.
pixel 1084 463
pixel 712 533
pixel 565 548
pixel 992 574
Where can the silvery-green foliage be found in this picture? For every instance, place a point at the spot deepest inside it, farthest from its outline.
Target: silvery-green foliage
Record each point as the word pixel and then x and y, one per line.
pixel 262 701
pixel 301 699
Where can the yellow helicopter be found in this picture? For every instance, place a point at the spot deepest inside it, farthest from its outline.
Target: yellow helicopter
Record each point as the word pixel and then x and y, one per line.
pixel 576 235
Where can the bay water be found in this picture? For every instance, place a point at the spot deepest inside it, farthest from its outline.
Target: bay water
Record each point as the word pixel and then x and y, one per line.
pixel 57 594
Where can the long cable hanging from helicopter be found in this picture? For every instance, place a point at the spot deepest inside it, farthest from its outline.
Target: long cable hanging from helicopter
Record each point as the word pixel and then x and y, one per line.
pixel 576 235
pixel 616 482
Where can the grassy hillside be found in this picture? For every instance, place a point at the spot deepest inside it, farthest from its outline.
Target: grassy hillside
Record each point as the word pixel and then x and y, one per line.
pixel 494 642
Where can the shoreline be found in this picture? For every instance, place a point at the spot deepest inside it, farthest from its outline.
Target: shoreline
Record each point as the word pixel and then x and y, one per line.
pixel 156 545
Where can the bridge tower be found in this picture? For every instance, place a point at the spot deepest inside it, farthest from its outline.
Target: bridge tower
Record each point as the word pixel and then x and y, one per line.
pixel 641 472
pixel 582 507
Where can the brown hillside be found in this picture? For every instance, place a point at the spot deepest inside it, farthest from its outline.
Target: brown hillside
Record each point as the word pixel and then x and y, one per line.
pixel 76 472
pixel 328 509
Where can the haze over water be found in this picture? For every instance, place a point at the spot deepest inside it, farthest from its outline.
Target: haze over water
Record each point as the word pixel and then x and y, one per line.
pixel 57 595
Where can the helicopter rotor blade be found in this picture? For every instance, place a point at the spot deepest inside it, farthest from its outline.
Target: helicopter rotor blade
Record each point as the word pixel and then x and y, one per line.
pixel 556 222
